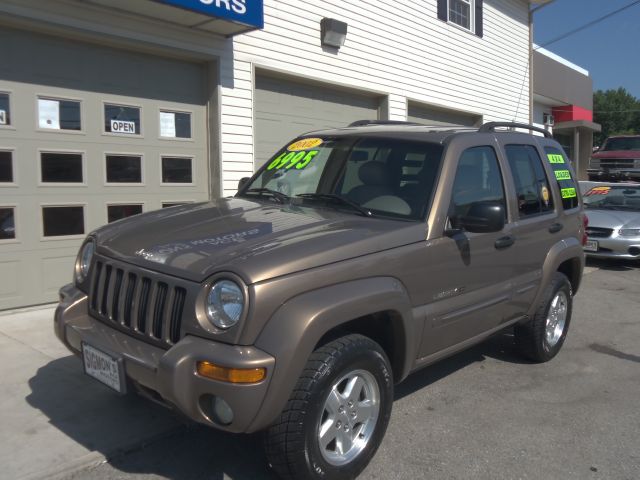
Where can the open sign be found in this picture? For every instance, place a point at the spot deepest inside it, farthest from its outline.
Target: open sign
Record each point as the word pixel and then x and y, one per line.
pixel 121 126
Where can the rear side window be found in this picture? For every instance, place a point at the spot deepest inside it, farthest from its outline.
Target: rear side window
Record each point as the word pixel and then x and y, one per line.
pixel 566 182
pixel 532 185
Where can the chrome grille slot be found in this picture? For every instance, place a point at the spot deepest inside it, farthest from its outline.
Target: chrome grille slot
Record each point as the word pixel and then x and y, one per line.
pixel 128 300
pixel 158 309
pixel 142 304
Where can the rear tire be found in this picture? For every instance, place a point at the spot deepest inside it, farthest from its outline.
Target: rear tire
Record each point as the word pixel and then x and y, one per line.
pixel 543 336
pixel 337 414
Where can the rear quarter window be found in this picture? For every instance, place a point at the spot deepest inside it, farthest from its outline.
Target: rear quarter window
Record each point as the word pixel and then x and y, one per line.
pixel 566 183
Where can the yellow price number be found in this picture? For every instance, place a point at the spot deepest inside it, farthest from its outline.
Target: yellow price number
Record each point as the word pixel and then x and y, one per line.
pixel 288 160
pixel 555 158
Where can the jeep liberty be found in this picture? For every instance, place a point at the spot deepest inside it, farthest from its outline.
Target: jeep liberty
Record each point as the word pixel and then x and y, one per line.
pixel 352 258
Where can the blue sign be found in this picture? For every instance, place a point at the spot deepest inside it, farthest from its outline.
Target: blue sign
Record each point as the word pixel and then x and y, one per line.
pixel 246 12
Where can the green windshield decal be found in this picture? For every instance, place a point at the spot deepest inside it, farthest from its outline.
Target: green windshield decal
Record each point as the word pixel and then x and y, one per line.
pixel 290 159
pixel 563 175
pixel 555 158
pixel 569 193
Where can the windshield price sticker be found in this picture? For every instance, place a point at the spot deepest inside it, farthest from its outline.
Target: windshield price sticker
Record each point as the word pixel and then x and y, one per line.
pixel 569 193
pixel 290 159
pixel 555 158
pixel 305 144
pixel 563 175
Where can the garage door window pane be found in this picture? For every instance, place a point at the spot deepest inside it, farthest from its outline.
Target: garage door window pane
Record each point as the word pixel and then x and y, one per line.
pixel 124 169
pixel 63 221
pixel 175 124
pixel 56 114
pixel 118 212
pixel 61 167
pixel 7 223
pixel 176 170
pixel 5 113
pixel 121 119
pixel 6 167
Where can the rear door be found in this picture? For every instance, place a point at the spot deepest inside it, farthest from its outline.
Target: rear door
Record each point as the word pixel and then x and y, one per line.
pixel 536 223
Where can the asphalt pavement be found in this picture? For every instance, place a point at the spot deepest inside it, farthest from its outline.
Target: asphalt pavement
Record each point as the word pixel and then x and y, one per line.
pixel 482 414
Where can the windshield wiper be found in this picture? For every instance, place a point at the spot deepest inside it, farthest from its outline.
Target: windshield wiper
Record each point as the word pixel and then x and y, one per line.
pixel 332 197
pixel 279 196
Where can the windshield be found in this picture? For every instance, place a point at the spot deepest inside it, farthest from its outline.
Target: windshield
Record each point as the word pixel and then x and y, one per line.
pixel 365 176
pixel 612 197
pixel 629 143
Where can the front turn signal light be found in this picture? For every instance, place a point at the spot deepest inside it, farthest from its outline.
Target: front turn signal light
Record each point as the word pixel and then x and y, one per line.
pixel 230 375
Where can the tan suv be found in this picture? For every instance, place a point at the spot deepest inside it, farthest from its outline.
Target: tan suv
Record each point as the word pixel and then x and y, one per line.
pixel 352 258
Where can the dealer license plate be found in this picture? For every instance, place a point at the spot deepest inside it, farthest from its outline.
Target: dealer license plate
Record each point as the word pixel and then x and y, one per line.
pixel 103 367
pixel 591 246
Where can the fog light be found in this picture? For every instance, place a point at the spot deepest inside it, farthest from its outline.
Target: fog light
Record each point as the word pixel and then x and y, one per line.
pixel 635 251
pixel 222 412
pixel 231 375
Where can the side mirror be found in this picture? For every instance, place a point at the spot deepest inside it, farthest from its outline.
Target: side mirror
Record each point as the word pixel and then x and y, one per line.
pixel 242 182
pixel 483 217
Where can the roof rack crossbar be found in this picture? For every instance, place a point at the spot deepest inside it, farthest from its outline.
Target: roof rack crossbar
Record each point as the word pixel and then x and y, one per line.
pixel 363 123
pixel 491 127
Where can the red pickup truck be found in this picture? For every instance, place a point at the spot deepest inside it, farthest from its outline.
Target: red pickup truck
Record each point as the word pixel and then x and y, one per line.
pixel 617 160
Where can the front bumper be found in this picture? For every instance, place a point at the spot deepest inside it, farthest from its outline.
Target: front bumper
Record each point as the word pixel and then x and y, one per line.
pixel 169 376
pixel 616 247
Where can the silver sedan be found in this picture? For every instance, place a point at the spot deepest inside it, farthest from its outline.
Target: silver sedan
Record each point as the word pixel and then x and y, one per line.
pixel 614 221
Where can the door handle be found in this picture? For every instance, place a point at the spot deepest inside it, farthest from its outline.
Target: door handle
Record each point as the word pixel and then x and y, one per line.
pixel 555 228
pixel 505 242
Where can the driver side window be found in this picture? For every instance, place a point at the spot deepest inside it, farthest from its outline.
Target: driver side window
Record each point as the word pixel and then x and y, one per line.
pixel 478 179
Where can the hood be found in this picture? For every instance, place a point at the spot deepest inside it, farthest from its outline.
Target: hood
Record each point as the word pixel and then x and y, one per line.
pixel 613 218
pixel 251 239
pixel 617 154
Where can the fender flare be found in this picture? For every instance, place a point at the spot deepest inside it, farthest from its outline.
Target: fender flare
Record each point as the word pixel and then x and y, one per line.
pixel 567 249
pixel 296 327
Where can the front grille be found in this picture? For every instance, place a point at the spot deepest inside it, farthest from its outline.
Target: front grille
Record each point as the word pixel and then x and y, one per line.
pixel 136 302
pixel 597 232
pixel 617 163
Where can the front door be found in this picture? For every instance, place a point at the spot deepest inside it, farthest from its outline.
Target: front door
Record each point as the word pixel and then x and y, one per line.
pixel 469 273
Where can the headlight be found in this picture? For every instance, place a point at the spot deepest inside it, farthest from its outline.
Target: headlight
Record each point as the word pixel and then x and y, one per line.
pixel 224 304
pixel 83 262
pixel 630 232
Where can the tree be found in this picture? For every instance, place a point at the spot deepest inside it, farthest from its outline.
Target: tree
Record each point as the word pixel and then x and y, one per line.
pixel 617 111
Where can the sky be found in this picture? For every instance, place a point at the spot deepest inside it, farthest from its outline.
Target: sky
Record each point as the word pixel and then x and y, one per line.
pixel 609 50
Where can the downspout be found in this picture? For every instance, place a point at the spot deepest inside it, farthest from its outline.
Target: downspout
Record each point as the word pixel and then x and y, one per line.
pixel 531 66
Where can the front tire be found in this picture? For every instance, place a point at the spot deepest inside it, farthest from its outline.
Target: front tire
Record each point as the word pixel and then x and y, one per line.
pixel 337 414
pixel 543 336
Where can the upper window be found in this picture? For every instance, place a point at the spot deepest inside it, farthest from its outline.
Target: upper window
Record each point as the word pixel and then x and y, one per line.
pixel 57 114
pixel 121 119
pixel 464 13
pixel 5 109
pixel 532 186
pixel 566 182
pixel 478 179
pixel 6 166
pixel 175 124
pixel 460 13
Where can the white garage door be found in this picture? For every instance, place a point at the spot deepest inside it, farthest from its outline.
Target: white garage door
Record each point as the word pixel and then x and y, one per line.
pixel 286 108
pixel 440 117
pixel 88 135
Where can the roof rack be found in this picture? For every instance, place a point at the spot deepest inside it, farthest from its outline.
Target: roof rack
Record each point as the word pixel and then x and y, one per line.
pixel 364 123
pixel 491 127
